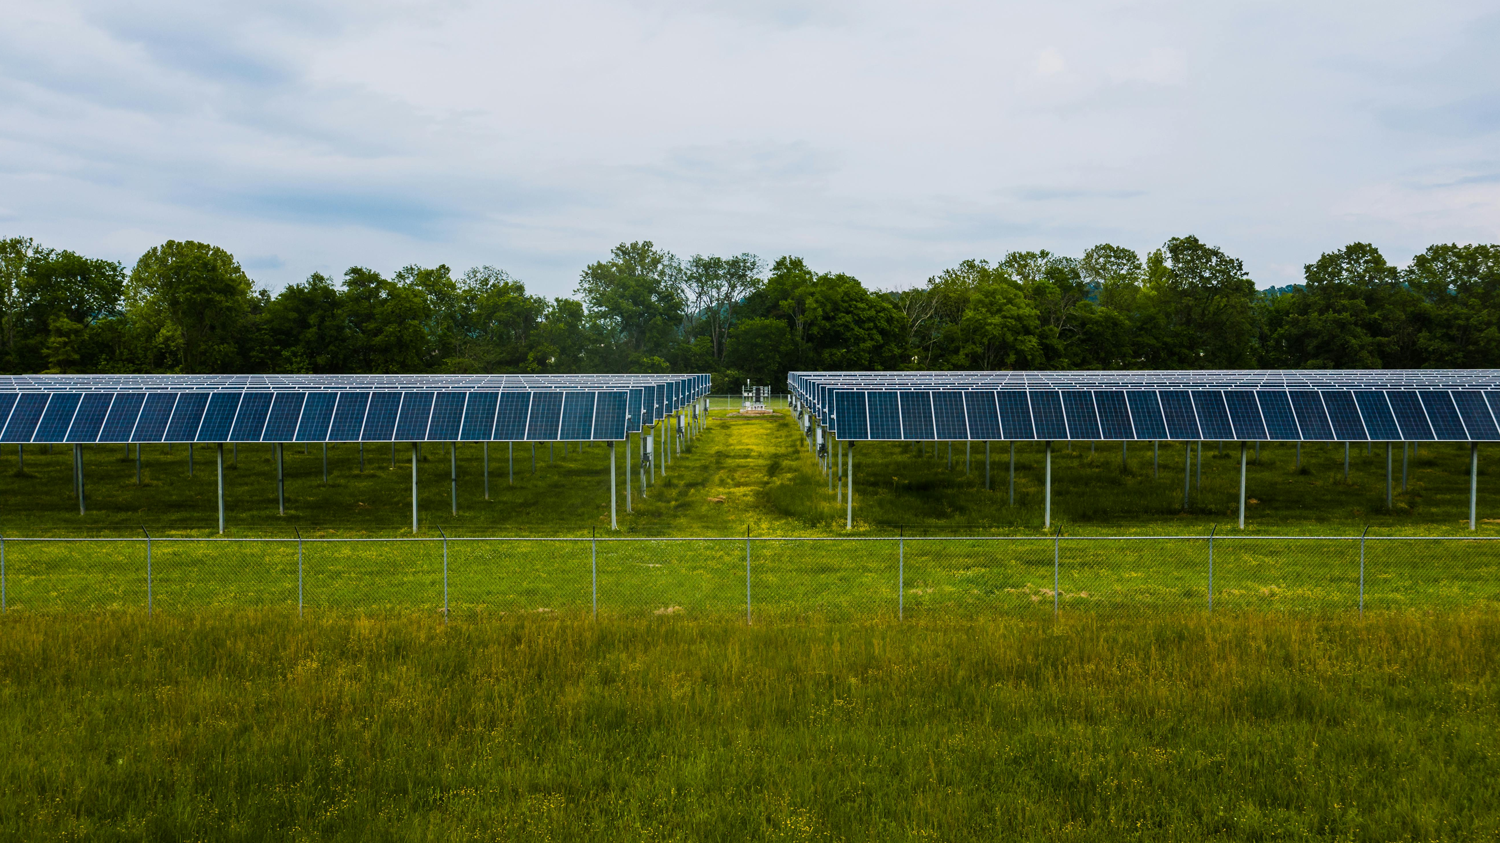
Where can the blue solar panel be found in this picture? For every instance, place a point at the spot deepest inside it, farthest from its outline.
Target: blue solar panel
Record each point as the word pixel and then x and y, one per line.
pixel 317 417
pixel 479 416
pixel 649 406
pixel 1047 414
pixel 447 416
pixel 120 422
pixel 849 414
pixel 1213 417
pixel 885 415
pixel 1078 407
pixel 948 416
pixel 511 416
pixel 1114 415
pixel 57 418
pixel 218 419
pixel 1377 415
pixel 1444 416
pixel 1015 414
pixel 416 409
pixel 1244 415
pixel 7 403
pixel 1182 420
pixel 186 417
pixel 1343 416
pixel 24 418
pixel 546 416
pixel 916 415
pixel 1411 419
pixel 1493 398
pixel 577 416
pixel 609 416
pixel 380 419
pixel 281 424
pixel 1276 408
pixel 1476 416
pixel 349 417
pixel 251 419
pixel 154 417
pixel 1145 412
pixel 91 413
pixel 634 410
pixel 984 421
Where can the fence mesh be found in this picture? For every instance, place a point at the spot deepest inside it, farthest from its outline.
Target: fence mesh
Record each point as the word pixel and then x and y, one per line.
pixel 758 578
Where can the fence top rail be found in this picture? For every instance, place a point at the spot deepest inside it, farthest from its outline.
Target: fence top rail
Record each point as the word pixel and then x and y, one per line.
pixel 637 539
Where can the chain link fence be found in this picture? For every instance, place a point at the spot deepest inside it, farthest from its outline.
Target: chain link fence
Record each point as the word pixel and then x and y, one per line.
pixel 761 579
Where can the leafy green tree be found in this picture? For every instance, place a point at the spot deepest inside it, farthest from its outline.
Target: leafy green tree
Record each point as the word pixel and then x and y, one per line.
pixel 192 300
pixel 635 299
pixel 713 288
pixel 1200 309
pixel 1460 289
pixel 306 326
pixel 386 324
pixel 497 322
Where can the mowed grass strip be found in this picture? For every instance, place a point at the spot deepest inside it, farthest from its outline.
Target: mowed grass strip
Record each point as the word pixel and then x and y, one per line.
pixel 247 726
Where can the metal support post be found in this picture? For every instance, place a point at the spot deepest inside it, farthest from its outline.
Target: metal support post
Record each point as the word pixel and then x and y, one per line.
pixel 1047 507
pixel 950 456
pixel 325 463
pixel 414 488
pixel 613 524
pixel 1242 485
pixel 453 474
pixel 968 451
pixel 838 495
pixel 1346 462
pixel 628 506
pixel 486 450
pixel 986 466
pixel 1473 484
pixel 849 499
pixel 221 488
pixel 190 460
pixel 149 595
pixel 1124 456
pixel 1187 474
pixel 1198 485
pixel 533 458
pixel 361 458
pixel 137 465
pixel 1389 499
pixel 280 482
pixel 78 462
pixel 1013 473
pixel 234 455
pixel 510 458
pixel 1155 459
pixel 1405 455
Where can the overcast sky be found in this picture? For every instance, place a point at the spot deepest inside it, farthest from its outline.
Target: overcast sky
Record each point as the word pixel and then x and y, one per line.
pixel 888 140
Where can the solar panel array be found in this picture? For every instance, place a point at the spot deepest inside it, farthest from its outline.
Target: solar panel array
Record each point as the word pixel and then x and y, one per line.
pixel 394 408
pixel 1290 406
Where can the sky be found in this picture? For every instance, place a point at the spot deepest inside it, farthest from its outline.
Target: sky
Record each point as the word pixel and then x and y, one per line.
pixel 888 140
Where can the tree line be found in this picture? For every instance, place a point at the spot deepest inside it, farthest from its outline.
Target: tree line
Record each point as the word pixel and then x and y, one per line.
pixel 189 307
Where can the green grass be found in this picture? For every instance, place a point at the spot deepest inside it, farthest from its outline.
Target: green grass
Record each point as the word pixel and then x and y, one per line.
pixel 260 727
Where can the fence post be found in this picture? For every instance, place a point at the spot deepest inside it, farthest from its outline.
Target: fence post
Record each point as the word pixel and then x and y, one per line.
pixel 1362 571
pixel 747 576
pixel 901 575
pixel 445 573
pixel 1211 561
pixel 1056 542
pixel 594 566
pixel 148 572
pixel 299 572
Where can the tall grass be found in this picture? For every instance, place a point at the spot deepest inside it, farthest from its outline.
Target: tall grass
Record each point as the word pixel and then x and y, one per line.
pixel 549 726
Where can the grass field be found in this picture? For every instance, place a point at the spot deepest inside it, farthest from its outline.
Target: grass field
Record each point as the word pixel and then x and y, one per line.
pixel 252 727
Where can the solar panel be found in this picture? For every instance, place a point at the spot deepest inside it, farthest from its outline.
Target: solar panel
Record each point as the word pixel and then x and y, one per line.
pixel 916 415
pixel 447 416
pixel 546 416
pixel 1343 416
pixel 1444 416
pixel 885 415
pixel 1182 419
pixel 123 413
pixel 1078 408
pixel 511 415
pixel 849 413
pixel 186 417
pixel 349 417
pixel 1376 412
pixel 1114 415
pixel 1145 413
pixel 1213 416
pixel 577 416
pixel 1015 415
pixel 609 415
pixel 24 418
pixel 317 417
pixel 948 418
pixel 416 409
pixel 1476 415
pixel 1244 415
pixel 1312 418
pixel 983 416
pixel 479 416
pixel 380 419
pixel 1276 409
pixel 91 414
pixel 251 419
pixel 1047 414
pixel 218 419
pixel 286 410
pixel 57 418
pixel 152 424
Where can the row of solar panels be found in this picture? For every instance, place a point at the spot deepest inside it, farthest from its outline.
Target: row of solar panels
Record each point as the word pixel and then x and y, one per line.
pixel 1258 415
pixel 326 416
pixel 690 386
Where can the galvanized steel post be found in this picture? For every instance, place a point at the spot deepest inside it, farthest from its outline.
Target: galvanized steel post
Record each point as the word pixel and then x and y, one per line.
pixel 280 482
pixel 613 523
pixel 414 488
pixel 1047 510
pixel 1012 473
pixel 1473 483
pixel 221 488
pixel 453 475
pixel 1242 485
pixel 849 501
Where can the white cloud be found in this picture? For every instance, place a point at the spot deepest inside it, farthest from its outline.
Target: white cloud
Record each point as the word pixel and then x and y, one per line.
pixel 884 139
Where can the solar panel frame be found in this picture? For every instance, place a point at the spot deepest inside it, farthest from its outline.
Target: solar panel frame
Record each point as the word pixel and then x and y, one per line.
pixel 23 421
pixel 447 419
pixel 187 415
pixel 577 416
pixel 1146 414
pixel 57 418
pixel 120 423
pixel 381 416
pixel 1344 415
pixel 546 417
pixel 157 412
pixel 512 412
pixel 1280 418
pixel 949 417
pixel 411 422
pixel 1443 415
pixel 1244 415
pixel 1015 417
pixel 479 416
pixel 884 410
pixel 348 422
pixel 1180 415
pixel 982 415
pixel 1047 417
pixel 286 412
pixel 317 417
pixel 1114 415
pixel 218 419
pixel 851 418
pixel 916 416
pixel 92 412
pixel 1475 413
pixel 1375 411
